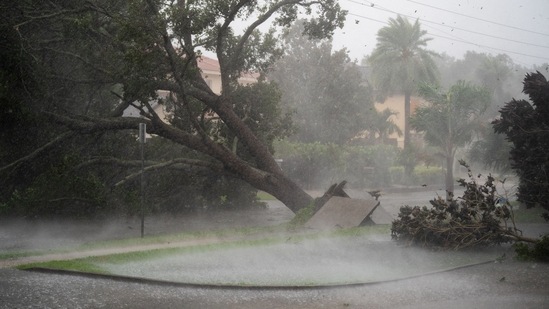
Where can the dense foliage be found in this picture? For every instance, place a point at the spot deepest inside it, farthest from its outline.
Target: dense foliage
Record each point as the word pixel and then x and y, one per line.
pixel 502 78
pixel 325 90
pixel 449 119
pixel 318 165
pixel 37 157
pixel 75 67
pixel 526 125
pixel 538 251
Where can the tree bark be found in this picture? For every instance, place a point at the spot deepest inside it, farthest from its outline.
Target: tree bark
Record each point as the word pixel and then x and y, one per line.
pixel 286 191
pixel 407 114
pixel 449 172
pixel 409 167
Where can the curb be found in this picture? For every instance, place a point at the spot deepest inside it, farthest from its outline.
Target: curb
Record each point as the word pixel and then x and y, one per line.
pixel 157 282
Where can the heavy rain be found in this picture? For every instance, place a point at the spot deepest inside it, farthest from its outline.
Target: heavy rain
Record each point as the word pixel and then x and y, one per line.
pixel 274 154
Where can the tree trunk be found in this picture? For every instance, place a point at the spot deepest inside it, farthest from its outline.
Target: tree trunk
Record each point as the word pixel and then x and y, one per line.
pixel 268 178
pixel 287 192
pixel 275 182
pixel 409 165
pixel 407 111
pixel 271 181
pixel 449 174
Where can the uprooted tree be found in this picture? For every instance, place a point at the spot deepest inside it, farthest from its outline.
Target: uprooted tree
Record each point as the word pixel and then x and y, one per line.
pixel 481 217
pixel 130 50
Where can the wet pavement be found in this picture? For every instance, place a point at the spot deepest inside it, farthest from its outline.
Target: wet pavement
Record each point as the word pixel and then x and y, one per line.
pixel 496 285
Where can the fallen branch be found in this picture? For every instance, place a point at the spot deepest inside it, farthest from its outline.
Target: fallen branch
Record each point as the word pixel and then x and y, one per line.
pixel 477 219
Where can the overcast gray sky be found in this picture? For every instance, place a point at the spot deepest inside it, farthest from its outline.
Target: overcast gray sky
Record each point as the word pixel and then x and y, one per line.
pixel 514 27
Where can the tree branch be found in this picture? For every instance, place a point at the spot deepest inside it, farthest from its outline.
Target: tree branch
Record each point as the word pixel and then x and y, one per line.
pixel 218 168
pixel 64 199
pixel 79 58
pixel 259 21
pixel 89 125
pixel 58 140
pixel 222 33
pixel 48 16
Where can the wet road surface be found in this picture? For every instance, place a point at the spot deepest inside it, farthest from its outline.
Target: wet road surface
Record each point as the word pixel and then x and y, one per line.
pixel 496 285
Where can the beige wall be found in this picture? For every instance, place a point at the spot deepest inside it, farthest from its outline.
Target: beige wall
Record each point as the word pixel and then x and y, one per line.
pixel 214 80
pixel 396 103
pixel 160 109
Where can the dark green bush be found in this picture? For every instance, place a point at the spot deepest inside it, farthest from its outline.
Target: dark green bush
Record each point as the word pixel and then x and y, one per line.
pixel 302 217
pixel 59 192
pixel 538 251
pixel 526 126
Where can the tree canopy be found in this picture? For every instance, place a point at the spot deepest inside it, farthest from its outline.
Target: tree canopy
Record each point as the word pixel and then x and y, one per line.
pixel 121 53
pixel 324 89
pixel 503 79
pixel 526 126
pixel 450 118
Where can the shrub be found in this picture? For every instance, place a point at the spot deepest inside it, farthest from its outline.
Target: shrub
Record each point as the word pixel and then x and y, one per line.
pixel 59 192
pixel 315 165
pixel 302 216
pixel 420 175
pixel 429 174
pixel 368 166
pixel 525 125
pixel 538 251
pixel 309 164
pixel 397 175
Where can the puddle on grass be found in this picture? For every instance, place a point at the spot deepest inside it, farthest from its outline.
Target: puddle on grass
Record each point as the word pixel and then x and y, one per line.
pixel 339 260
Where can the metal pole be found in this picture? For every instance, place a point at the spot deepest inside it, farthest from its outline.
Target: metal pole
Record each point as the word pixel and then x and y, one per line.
pixel 142 138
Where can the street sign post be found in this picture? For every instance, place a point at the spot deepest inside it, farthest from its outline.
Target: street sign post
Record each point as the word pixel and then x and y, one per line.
pixel 142 140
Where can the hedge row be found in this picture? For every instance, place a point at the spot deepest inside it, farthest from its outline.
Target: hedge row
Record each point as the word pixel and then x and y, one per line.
pixel 317 165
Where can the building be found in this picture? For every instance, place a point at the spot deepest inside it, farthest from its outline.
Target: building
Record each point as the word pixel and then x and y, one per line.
pixel 396 104
pixel 211 72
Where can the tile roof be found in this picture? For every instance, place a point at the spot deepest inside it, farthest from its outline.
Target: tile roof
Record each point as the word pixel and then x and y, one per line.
pixel 208 64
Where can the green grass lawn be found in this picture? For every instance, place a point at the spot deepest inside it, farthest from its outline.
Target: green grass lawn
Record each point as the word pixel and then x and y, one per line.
pixel 264 196
pixel 154 239
pixel 532 215
pixel 235 238
pixel 336 257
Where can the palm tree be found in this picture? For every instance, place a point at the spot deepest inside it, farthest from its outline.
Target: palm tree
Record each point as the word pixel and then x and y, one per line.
pixel 383 125
pixel 450 119
pixel 400 62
